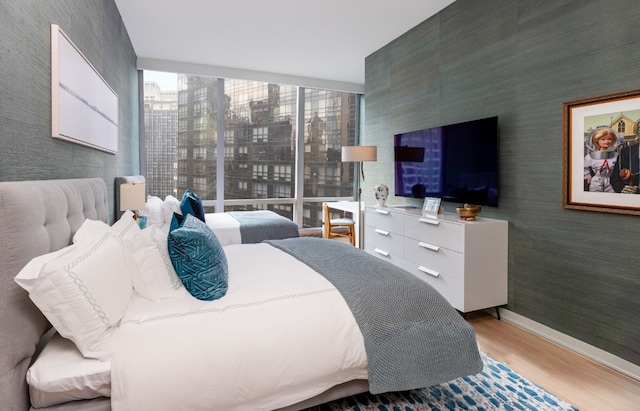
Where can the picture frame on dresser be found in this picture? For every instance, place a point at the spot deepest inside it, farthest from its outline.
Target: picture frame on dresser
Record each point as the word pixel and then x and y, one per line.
pixel 431 207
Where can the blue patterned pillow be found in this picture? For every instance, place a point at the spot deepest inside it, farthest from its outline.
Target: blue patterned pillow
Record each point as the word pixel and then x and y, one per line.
pixel 199 260
pixel 191 204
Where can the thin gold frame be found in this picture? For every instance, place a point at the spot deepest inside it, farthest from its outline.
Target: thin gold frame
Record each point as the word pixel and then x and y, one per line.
pixel 575 114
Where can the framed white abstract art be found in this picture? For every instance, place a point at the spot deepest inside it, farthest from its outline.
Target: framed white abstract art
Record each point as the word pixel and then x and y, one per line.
pixel 84 107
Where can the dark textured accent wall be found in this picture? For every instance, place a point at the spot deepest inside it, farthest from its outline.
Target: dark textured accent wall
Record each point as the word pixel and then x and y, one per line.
pixel 574 271
pixel 27 150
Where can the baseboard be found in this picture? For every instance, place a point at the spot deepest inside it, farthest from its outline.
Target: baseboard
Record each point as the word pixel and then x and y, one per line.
pixel 573 344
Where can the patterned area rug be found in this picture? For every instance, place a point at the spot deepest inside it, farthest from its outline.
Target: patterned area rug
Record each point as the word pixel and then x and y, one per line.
pixel 497 387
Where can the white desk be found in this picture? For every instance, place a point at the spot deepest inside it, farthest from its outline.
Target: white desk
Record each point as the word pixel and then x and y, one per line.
pixel 350 207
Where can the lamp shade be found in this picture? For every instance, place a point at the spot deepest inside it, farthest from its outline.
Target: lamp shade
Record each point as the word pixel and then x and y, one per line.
pixel 359 153
pixel 132 196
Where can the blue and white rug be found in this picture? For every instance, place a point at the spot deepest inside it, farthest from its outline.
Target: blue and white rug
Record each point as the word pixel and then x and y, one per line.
pixel 497 387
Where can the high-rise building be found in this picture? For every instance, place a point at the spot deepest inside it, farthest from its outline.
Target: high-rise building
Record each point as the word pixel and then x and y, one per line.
pixel 160 133
pixel 197 135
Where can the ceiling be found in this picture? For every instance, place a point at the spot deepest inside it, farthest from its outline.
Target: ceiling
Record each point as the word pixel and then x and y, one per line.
pixel 326 39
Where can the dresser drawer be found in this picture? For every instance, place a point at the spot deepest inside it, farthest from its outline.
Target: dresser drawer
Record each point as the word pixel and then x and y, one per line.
pixel 380 239
pixel 450 288
pixel 438 232
pixel 383 219
pixel 440 260
pixel 383 254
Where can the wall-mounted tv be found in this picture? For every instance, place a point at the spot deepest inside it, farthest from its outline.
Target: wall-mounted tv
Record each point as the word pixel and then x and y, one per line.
pixel 456 162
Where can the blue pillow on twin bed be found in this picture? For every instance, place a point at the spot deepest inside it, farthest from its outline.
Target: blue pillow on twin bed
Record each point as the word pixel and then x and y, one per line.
pixel 199 260
pixel 191 204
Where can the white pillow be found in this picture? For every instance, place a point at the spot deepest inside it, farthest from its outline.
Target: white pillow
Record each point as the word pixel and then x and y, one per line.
pixel 170 205
pixel 61 374
pixel 125 228
pixel 83 291
pixel 152 273
pixel 153 211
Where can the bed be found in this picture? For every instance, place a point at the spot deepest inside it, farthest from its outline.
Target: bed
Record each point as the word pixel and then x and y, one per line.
pixel 234 227
pixel 250 227
pixel 293 330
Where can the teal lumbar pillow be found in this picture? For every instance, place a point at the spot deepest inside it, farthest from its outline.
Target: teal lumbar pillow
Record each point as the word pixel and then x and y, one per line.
pixel 199 259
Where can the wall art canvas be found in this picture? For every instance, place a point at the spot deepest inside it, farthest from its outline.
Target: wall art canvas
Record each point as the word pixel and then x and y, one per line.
pixel 84 107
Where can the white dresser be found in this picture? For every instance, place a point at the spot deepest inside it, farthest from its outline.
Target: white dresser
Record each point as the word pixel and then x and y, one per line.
pixel 466 261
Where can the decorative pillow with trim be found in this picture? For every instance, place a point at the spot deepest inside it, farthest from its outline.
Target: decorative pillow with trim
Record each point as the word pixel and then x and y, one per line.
pixel 83 290
pixel 154 211
pixel 199 259
pixel 152 272
pixel 125 228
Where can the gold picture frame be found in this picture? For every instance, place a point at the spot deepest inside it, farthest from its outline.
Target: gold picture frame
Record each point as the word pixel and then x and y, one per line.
pixel 601 153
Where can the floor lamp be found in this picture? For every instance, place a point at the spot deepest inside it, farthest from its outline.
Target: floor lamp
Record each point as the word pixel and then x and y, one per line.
pixel 359 154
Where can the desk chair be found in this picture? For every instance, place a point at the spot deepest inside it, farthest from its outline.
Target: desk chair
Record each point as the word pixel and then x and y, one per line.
pixel 340 223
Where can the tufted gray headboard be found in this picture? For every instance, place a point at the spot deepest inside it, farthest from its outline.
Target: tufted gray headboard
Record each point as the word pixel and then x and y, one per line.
pixel 36 217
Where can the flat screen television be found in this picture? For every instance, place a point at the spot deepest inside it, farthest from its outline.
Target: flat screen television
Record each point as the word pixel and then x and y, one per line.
pixel 456 162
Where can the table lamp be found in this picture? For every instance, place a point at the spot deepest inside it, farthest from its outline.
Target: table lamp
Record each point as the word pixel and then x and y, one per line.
pixel 359 154
pixel 132 197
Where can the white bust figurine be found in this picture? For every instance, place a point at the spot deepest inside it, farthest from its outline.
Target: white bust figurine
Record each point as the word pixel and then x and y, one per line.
pixel 381 192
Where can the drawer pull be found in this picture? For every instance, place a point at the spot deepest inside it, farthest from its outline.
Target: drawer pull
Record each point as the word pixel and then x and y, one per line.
pixel 379 231
pixel 385 212
pixel 429 221
pixel 381 252
pixel 429 246
pixel 429 271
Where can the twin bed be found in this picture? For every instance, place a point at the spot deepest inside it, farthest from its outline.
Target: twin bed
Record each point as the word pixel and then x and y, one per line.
pixel 234 227
pixel 304 320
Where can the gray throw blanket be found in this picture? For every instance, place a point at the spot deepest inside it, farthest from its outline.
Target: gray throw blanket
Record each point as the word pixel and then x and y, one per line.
pixel 260 225
pixel 413 337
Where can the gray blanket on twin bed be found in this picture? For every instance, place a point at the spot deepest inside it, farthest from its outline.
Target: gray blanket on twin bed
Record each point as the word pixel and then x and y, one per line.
pixel 260 225
pixel 413 337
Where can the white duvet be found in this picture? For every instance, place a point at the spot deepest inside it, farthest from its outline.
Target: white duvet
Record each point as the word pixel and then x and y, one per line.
pixel 282 334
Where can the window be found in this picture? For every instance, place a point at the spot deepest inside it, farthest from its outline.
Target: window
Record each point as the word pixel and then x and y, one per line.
pixel 199 153
pixel 282 172
pixel 622 127
pixel 260 171
pixel 260 190
pixel 199 183
pixel 262 132
pixel 282 191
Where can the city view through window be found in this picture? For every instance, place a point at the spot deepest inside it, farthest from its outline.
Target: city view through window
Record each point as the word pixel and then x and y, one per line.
pixel 279 149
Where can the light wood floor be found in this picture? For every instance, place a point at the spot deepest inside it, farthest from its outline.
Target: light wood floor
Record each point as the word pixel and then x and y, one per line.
pixel 571 377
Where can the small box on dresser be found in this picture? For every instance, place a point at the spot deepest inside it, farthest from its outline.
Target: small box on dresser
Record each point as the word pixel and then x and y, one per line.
pixel 466 261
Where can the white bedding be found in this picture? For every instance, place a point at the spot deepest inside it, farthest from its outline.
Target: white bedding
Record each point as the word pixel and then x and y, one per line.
pixel 281 334
pixel 61 374
pixel 226 228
